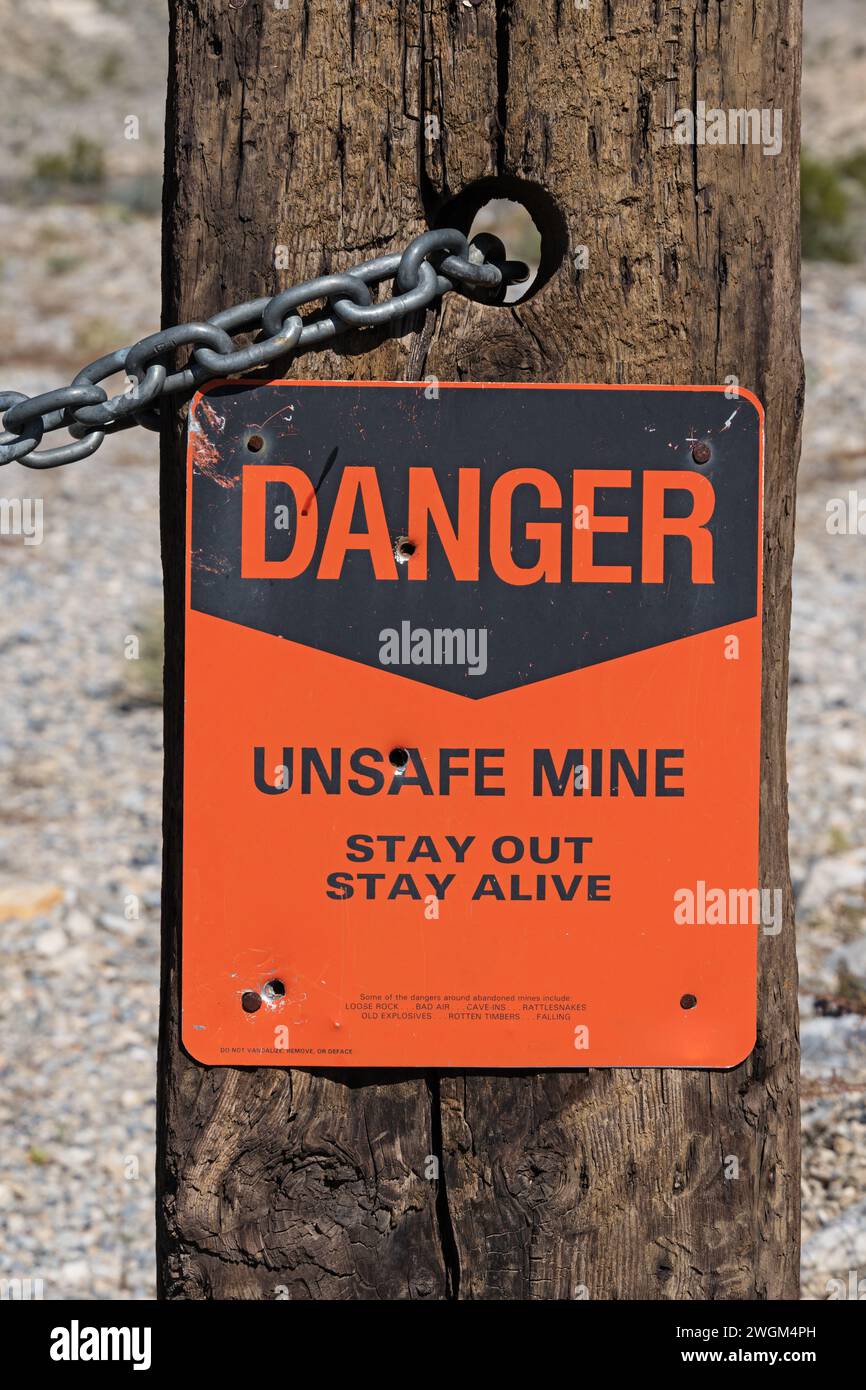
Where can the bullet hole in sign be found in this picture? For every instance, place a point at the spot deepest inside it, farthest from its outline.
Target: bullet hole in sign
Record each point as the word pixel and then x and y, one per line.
pixel 251 1002
pixel 404 550
pixel 399 759
pixel 688 1001
pixel 255 443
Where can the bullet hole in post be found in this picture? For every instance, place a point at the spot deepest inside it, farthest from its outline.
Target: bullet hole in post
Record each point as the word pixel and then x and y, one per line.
pixel 688 1001
pixel 251 1002
pixel 524 217
pixel 255 443
pixel 399 759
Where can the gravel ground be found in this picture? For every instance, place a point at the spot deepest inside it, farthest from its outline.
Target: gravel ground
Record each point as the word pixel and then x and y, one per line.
pixel 80 769
pixel 827 771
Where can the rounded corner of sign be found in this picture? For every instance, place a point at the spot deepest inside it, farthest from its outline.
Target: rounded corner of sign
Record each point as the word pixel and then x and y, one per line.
pixel 745 394
pixel 742 1051
pixel 208 389
pixel 195 1046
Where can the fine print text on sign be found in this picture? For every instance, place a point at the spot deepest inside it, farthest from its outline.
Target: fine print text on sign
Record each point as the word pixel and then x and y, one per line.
pixel 472 725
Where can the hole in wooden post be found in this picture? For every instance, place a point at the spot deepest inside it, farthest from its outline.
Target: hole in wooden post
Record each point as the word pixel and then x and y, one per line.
pixel 524 217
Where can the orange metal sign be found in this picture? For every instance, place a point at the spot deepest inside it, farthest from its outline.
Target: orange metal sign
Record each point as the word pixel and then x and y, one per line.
pixel 472 725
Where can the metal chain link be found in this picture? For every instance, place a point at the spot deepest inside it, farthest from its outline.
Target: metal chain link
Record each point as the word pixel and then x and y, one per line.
pixel 432 265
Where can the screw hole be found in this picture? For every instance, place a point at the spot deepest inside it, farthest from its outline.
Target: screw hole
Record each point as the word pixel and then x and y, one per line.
pixel 688 1001
pixel 251 1002
pixel 399 759
pixel 255 443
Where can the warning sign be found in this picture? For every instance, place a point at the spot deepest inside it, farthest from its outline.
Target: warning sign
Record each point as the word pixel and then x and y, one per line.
pixel 472 725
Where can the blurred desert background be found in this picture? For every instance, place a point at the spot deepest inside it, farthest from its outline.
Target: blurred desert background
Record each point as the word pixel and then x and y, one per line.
pixel 80 725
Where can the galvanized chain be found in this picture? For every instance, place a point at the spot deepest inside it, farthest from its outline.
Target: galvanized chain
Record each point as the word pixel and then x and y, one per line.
pixel 432 265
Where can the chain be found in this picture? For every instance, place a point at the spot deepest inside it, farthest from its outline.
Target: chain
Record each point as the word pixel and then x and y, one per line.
pixel 432 265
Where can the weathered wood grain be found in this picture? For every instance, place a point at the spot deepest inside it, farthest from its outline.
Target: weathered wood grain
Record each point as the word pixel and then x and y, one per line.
pixel 308 127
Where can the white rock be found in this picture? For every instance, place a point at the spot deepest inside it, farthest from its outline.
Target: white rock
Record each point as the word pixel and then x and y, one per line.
pixel 78 924
pixel 51 941
pixel 74 1157
pixel 75 1272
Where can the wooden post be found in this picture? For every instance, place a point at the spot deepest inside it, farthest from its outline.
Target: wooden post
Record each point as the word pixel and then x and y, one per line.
pixel 339 131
